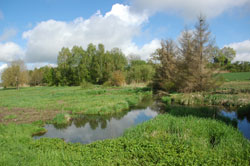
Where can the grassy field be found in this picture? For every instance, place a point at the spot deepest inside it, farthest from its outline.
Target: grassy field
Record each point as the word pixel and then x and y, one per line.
pixel 187 136
pixel 169 139
pixel 43 103
pixel 241 76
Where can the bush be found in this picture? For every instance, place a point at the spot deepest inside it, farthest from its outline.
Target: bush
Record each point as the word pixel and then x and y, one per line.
pixel 86 85
pixel 117 79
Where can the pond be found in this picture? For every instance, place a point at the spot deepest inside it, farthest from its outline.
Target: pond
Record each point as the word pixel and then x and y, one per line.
pixel 89 128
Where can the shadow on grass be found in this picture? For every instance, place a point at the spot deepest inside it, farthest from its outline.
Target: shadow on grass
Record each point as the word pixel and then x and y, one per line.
pixel 201 112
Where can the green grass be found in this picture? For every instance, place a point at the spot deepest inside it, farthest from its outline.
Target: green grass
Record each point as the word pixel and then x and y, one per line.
pixel 97 100
pixel 186 136
pixel 241 76
pixel 165 140
pixel 8 117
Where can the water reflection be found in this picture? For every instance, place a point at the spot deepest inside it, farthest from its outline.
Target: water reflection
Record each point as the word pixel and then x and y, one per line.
pixel 89 128
pixel 243 121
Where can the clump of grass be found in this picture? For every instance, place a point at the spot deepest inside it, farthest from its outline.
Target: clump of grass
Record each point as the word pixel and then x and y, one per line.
pixel 86 85
pixel 9 117
pixel 61 119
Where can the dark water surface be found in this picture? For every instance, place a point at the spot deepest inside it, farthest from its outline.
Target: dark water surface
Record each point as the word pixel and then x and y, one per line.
pixel 243 123
pixel 89 128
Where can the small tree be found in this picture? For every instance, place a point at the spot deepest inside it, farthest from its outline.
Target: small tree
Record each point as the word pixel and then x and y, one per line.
pixel 166 70
pixel 15 75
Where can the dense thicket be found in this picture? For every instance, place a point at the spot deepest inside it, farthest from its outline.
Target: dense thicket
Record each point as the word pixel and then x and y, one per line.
pixel 186 66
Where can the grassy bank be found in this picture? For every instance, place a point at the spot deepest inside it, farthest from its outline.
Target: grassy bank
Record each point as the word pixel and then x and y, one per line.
pixel 231 94
pixel 169 139
pixel 38 102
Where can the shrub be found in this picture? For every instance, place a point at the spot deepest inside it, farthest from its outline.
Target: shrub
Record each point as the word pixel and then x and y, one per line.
pixel 117 79
pixel 86 85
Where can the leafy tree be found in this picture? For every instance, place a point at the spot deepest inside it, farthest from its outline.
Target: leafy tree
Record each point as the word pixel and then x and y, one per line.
pixel 224 56
pixel 139 71
pixel 36 77
pixel 15 75
pixel 63 61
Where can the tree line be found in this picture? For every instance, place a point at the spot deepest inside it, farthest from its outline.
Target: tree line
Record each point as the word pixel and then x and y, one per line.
pixel 77 66
pixel 190 64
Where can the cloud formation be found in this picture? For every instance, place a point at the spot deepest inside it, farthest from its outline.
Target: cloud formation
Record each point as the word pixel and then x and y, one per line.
pixel 7 34
pixel 116 28
pixel 242 50
pixel 189 9
pixel 10 51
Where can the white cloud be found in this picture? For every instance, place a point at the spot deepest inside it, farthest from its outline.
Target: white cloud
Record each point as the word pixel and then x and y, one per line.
pixel 2 67
pixel 10 51
pixel 242 50
pixel 189 9
pixel 7 34
pixel 114 29
pixel 146 50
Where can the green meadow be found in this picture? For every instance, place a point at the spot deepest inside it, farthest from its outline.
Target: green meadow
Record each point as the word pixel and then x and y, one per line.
pixel 181 136
pixel 50 101
pixel 240 76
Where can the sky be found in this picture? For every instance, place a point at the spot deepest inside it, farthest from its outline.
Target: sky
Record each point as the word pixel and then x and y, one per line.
pixel 35 31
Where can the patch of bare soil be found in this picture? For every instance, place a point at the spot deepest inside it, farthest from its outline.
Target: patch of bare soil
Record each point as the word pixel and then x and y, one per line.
pixel 25 115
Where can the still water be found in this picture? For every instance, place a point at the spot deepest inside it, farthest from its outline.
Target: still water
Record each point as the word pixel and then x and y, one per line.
pixel 89 128
pixel 243 122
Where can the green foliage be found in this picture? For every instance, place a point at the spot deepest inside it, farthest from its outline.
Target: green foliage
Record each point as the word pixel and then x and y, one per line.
pixel 238 66
pixel 166 100
pixel 139 71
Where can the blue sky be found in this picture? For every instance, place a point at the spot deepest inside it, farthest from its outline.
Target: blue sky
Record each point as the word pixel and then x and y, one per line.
pixel 36 30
